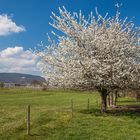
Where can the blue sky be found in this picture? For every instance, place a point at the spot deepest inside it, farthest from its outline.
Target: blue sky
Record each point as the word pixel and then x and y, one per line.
pixel 31 20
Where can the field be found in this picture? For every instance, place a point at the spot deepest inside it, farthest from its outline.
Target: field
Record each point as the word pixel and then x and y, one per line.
pixel 51 117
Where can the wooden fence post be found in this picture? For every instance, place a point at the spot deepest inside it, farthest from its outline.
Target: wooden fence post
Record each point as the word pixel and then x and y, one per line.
pixel 28 120
pixel 72 108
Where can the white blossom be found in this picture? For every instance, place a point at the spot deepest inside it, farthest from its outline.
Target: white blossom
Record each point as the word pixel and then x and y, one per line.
pixel 97 52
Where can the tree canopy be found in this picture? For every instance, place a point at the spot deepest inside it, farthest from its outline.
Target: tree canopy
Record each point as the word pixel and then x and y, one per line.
pixel 99 52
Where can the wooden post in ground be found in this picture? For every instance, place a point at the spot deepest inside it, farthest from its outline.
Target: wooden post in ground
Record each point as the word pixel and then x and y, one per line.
pixel 88 105
pixel 28 120
pixel 72 108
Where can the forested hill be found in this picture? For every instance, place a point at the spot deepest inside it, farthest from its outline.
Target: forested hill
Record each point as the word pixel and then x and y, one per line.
pixel 20 78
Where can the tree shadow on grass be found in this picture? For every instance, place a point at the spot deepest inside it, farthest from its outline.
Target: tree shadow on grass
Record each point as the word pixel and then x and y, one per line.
pixel 128 101
pixel 35 135
pixel 92 111
pixel 127 110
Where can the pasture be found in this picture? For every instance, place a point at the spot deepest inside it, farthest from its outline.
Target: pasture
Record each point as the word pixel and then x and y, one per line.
pixel 51 117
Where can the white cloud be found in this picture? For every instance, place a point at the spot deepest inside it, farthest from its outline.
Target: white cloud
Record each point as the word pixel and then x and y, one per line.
pixel 11 51
pixel 18 60
pixel 7 26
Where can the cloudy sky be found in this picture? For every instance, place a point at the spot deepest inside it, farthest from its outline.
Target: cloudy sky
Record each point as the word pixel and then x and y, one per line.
pixel 16 59
pixel 24 24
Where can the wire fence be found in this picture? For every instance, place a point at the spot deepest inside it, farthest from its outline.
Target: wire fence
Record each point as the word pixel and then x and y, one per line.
pixel 71 110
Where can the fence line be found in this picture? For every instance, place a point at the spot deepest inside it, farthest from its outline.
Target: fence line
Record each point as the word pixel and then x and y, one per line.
pixel 69 109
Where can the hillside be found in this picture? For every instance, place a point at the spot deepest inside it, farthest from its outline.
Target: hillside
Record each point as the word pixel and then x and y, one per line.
pixel 20 78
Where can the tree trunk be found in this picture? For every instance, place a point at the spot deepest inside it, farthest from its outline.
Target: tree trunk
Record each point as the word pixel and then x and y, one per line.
pixel 108 99
pixel 103 94
pixel 111 99
pixel 138 95
pixel 116 97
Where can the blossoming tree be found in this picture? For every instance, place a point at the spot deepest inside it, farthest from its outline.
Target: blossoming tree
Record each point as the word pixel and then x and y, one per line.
pixel 97 52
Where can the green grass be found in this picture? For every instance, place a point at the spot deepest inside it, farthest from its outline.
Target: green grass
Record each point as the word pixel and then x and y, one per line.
pixel 51 117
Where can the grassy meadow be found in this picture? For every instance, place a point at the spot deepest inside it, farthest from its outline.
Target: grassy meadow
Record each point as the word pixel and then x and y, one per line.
pixel 51 117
